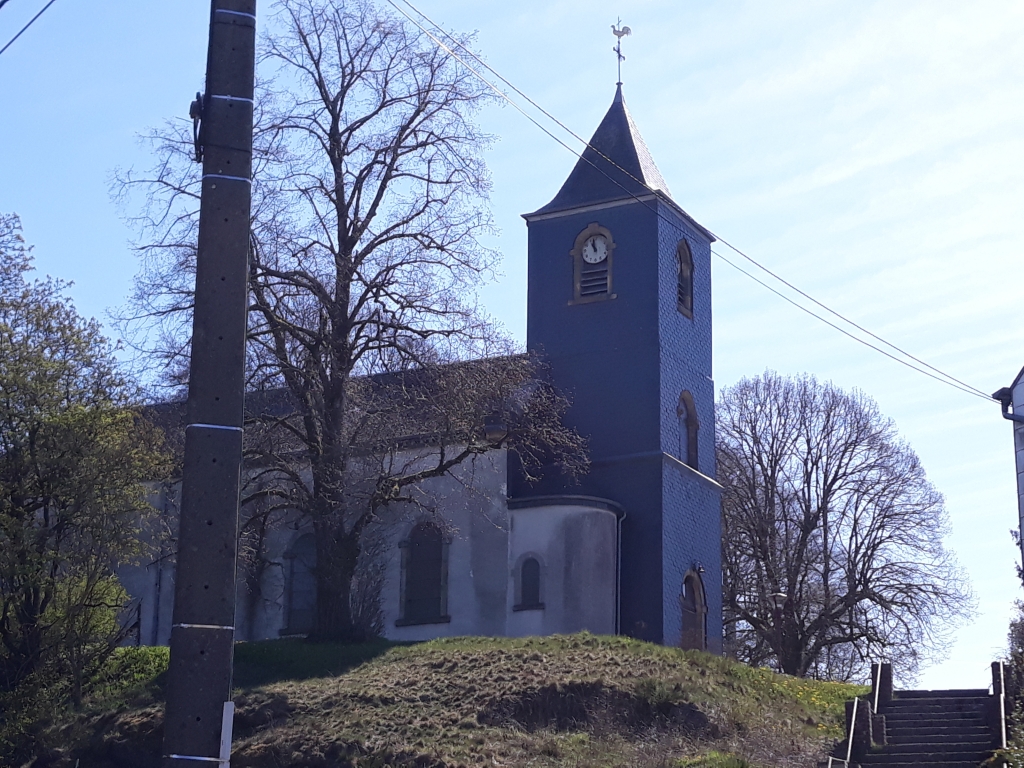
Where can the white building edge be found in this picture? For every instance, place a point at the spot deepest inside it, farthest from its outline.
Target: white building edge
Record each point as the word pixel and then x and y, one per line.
pixel 466 561
pixel 1012 400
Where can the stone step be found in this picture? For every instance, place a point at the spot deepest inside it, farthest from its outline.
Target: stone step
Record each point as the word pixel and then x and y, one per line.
pixel 924 705
pixel 939 735
pixel 902 763
pixel 937 728
pixel 960 723
pixel 926 758
pixel 939 725
pixel 964 693
pixel 926 747
pixel 909 717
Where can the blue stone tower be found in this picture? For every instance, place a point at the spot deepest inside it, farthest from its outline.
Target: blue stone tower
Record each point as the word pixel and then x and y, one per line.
pixel 620 307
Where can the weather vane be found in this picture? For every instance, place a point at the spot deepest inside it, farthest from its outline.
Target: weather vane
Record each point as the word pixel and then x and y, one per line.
pixel 620 32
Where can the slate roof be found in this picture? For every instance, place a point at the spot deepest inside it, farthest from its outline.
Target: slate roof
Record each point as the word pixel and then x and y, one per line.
pixel 402 398
pixel 616 165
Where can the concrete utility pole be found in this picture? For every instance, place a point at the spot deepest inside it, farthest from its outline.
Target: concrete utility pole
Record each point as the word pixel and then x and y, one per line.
pixel 197 723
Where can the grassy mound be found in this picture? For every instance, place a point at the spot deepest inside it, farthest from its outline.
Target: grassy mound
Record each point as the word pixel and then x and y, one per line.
pixel 579 700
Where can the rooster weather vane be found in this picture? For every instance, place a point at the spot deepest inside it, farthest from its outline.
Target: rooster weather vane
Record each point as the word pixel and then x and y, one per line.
pixel 620 32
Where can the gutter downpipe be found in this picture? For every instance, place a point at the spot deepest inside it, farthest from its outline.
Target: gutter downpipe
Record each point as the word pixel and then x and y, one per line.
pixel 618 576
pixel 1005 398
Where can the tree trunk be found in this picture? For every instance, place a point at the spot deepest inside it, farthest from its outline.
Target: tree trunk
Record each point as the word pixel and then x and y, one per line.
pixel 336 555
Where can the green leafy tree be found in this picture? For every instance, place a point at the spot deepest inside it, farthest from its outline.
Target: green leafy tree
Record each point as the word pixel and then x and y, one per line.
pixel 73 459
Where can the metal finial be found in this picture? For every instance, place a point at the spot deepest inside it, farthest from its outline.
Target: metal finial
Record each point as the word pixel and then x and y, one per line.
pixel 620 32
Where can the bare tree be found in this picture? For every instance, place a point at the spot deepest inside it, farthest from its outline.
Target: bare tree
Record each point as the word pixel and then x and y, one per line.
pixel 832 543
pixel 369 201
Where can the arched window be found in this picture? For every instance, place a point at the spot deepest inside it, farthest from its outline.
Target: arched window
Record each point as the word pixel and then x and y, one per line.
pixel 592 256
pixel 684 259
pixel 694 609
pixel 688 427
pixel 529 585
pixel 301 596
pixel 424 576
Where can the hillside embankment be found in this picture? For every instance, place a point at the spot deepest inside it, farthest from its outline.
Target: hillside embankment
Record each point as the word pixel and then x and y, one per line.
pixel 579 700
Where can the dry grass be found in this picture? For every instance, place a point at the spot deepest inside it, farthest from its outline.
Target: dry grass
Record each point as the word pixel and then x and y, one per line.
pixel 578 701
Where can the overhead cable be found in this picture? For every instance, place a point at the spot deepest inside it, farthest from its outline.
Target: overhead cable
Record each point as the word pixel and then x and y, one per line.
pixel 942 376
pixel 30 23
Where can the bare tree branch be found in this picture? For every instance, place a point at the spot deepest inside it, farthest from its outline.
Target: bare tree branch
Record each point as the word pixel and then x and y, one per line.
pixel 825 505
pixel 369 202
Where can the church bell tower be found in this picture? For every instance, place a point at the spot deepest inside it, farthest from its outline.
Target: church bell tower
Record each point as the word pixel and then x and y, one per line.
pixel 620 308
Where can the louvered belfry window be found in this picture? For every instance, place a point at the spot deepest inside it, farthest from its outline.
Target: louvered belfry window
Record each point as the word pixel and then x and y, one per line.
pixel 593 279
pixel 592 271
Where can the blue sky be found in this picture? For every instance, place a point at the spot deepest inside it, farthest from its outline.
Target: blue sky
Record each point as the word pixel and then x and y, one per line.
pixel 871 153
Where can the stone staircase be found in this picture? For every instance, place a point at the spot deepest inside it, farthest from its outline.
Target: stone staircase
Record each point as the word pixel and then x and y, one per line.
pixel 939 729
pixel 935 729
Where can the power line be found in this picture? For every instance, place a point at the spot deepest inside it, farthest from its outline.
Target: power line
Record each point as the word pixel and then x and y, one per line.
pixel 533 103
pixel 943 377
pixel 30 23
pixel 844 318
pixel 965 388
pixel 483 79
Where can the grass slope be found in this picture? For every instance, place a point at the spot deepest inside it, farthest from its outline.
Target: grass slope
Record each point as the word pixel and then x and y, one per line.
pixel 577 700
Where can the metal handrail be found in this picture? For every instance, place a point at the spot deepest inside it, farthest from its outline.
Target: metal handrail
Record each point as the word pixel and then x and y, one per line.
pixel 853 727
pixel 849 739
pixel 1002 706
pixel 877 686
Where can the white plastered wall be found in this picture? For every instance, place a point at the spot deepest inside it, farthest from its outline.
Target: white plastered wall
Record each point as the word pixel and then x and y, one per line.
pixel 577 547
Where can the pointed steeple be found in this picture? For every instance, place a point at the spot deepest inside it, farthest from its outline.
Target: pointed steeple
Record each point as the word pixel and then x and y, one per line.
pixel 616 165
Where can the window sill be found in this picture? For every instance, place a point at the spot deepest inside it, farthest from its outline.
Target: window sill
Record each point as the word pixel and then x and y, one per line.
pixel 531 607
pixel 593 298
pixel 417 622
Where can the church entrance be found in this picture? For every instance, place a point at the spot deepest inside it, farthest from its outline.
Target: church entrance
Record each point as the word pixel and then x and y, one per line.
pixel 694 633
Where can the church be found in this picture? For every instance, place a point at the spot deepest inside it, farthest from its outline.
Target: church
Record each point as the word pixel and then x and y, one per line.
pixel 619 306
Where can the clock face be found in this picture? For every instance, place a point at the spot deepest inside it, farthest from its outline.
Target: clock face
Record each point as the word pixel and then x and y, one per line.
pixel 595 250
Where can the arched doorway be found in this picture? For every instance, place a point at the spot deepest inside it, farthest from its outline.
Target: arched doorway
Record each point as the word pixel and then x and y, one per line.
pixel 694 633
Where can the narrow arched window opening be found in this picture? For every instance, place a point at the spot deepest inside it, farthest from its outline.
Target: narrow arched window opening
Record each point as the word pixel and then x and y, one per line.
pixel 688 430
pixel 424 576
pixel 529 585
pixel 301 594
pixel 684 263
